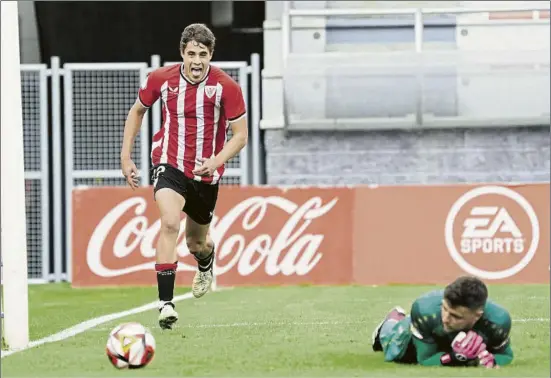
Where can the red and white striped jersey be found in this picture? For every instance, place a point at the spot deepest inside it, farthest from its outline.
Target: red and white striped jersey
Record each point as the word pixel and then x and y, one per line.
pixel 195 119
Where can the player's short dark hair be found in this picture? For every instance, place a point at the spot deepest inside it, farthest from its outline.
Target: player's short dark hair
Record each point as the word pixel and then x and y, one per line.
pixel 468 292
pixel 199 33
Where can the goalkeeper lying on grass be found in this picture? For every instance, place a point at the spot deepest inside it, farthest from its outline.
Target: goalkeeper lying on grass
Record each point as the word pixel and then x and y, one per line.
pixel 458 326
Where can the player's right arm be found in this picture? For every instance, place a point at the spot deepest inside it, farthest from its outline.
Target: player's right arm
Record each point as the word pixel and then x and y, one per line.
pixel 148 93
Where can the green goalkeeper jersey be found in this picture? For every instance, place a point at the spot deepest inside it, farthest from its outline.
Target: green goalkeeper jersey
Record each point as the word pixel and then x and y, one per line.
pixel 431 341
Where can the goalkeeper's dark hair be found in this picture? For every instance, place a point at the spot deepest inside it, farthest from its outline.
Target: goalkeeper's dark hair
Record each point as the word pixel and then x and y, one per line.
pixel 468 292
pixel 199 33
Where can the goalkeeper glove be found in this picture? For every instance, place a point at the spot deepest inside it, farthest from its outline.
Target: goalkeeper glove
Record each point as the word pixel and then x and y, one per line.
pixel 466 347
pixel 487 360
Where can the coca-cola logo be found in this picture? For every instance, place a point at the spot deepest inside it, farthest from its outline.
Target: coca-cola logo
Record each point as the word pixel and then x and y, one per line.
pixel 292 251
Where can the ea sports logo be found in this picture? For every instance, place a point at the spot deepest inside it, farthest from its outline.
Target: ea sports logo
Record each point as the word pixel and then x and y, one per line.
pixel 492 232
pixel 481 235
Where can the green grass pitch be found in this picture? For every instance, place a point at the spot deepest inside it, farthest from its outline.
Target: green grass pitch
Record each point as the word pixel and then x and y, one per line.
pixel 301 331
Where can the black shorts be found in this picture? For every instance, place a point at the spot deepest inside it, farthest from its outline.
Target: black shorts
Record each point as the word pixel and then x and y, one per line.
pixel 200 197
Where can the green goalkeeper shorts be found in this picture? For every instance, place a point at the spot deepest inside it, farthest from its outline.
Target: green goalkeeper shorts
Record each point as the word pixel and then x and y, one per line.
pixel 398 344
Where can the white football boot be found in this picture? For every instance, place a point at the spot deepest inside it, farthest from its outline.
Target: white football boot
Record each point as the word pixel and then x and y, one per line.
pixel 203 280
pixel 168 315
pixel 397 314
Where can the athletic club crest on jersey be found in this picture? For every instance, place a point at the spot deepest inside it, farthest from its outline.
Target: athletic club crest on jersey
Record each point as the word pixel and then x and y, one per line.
pixel 210 90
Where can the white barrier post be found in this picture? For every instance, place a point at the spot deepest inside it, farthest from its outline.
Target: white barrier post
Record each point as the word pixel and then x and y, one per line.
pixel 14 233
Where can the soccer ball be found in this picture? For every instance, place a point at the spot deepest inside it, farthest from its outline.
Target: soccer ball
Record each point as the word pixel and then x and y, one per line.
pixel 130 345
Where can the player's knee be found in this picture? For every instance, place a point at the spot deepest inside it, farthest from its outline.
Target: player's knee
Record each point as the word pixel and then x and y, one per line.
pixel 170 224
pixel 197 246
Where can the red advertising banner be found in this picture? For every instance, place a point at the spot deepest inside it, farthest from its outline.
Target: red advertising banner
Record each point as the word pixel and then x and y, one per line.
pixel 432 234
pixel 262 236
pixel 364 235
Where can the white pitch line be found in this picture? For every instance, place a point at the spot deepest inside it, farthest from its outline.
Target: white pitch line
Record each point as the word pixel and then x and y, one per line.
pixel 526 320
pixel 267 324
pixel 89 324
pixel 319 323
pixel 255 324
pixel 92 323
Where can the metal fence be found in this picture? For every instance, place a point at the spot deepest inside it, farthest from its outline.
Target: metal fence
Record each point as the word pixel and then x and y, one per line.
pixel 78 125
pixel 97 98
pixel 34 95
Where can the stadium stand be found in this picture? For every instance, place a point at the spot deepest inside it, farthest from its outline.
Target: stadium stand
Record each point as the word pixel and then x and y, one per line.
pixel 467 86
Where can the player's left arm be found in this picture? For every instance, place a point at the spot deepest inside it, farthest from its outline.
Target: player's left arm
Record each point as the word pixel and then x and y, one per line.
pixel 233 106
pixel 499 341
pixel 236 143
pixel 235 111
pixel 505 357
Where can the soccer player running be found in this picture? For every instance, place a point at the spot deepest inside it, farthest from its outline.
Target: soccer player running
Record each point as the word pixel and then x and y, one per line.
pixel 199 103
pixel 458 326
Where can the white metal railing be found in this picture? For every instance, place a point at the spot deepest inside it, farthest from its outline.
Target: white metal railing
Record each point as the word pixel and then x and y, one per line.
pixel 34 93
pixel 92 138
pixel 418 13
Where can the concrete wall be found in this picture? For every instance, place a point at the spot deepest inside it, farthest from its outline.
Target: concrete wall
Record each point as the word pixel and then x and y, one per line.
pixel 28 33
pixel 401 157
